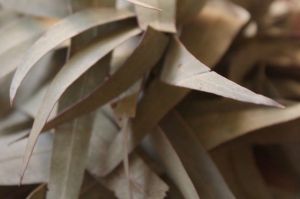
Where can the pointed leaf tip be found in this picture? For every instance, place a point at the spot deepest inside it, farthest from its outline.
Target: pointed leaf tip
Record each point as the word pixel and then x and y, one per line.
pixel 60 32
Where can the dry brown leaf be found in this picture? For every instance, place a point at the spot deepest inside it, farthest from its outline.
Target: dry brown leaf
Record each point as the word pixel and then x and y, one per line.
pixel 234 123
pixel 182 69
pixel 127 104
pixel 144 182
pixel 63 30
pixel 133 69
pixel 172 163
pixel 71 140
pixel 201 169
pixel 72 70
pixel 149 112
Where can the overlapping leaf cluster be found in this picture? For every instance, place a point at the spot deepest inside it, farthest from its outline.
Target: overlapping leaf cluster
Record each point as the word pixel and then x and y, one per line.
pixel 149 99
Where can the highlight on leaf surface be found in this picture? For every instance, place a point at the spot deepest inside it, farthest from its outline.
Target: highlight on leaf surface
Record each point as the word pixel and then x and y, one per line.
pixel 149 99
pixel 63 30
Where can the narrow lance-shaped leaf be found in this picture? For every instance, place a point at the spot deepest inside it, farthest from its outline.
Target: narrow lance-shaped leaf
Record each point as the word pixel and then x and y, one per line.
pixel 234 123
pixel 164 20
pixel 169 159
pixel 182 69
pixel 204 174
pixel 125 109
pixel 63 184
pixel 157 101
pixel 65 29
pixel 73 69
pixel 16 37
pixel 142 60
pixel 71 140
pixel 145 182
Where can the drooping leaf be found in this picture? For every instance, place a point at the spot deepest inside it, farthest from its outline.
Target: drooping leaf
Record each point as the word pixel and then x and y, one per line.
pixel 65 29
pixel 132 70
pixel 144 182
pixel 172 163
pixel 34 81
pixel 149 112
pixel 71 144
pixel 63 183
pixel 73 69
pixel 206 178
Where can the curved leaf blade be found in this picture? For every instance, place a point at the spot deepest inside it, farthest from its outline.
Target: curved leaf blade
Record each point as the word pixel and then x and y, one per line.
pixel 70 72
pixel 65 29
pixel 133 69
pixel 182 69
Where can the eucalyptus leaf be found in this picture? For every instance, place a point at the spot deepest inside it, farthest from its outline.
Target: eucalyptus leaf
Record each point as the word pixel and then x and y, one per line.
pixel 182 69
pixel 65 29
pixel 132 70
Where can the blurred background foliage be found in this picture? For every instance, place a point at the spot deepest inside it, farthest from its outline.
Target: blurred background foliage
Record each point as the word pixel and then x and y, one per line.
pixel 151 99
